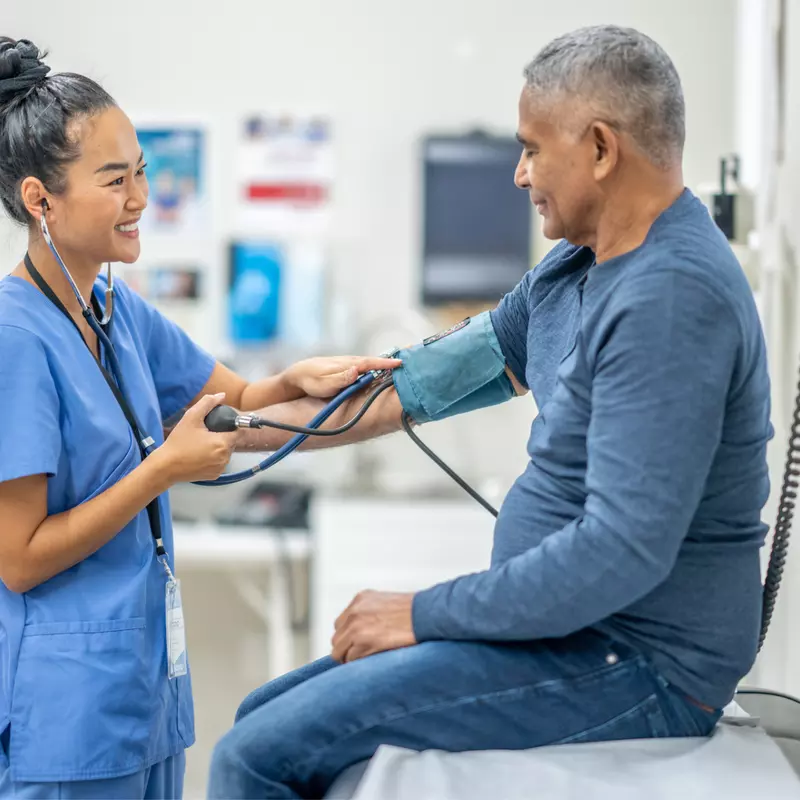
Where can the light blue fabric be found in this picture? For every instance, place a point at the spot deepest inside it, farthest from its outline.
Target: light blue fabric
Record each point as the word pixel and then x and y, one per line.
pixel 162 781
pixel 83 675
pixel 433 384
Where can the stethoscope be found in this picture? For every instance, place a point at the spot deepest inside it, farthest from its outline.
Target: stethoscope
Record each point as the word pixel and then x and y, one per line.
pixel 224 418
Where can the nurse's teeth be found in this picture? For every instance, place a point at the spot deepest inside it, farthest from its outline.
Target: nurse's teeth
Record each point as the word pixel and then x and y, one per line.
pixel 127 228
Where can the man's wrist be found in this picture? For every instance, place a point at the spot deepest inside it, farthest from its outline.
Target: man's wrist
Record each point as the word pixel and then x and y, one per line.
pixel 422 625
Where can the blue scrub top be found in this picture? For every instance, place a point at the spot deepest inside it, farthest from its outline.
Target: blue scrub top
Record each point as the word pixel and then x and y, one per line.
pixel 83 667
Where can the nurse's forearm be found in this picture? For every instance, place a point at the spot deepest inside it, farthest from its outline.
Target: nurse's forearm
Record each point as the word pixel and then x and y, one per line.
pixel 268 391
pixel 63 540
pixel 383 417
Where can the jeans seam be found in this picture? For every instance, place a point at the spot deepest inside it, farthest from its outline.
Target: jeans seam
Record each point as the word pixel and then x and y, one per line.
pixel 517 690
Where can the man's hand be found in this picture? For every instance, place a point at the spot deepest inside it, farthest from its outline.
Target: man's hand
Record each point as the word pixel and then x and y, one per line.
pixel 372 623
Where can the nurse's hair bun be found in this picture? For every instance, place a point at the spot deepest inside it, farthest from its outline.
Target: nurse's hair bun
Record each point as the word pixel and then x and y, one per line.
pixel 36 115
pixel 21 68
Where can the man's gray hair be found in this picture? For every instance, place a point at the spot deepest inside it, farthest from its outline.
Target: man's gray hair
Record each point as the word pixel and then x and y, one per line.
pixel 624 77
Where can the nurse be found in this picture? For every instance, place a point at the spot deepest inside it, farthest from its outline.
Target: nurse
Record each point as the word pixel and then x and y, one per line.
pixel 94 702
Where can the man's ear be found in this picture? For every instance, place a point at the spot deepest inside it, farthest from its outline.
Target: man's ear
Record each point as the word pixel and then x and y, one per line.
pixel 606 148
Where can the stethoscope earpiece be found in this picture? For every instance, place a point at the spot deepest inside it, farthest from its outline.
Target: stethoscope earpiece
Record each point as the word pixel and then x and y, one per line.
pixel 109 310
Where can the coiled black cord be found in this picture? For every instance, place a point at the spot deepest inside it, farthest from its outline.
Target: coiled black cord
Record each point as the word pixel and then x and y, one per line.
pixel 783 525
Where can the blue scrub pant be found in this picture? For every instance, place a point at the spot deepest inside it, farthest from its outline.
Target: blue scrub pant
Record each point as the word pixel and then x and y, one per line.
pixel 295 735
pixel 162 781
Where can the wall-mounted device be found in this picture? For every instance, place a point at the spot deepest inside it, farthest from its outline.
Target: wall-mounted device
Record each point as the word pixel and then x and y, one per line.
pixel 476 232
pixel 732 207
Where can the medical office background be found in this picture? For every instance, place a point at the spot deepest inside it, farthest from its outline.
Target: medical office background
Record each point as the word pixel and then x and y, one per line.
pixel 239 104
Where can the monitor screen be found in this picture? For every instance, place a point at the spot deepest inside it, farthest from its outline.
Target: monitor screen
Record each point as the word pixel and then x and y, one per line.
pixel 477 224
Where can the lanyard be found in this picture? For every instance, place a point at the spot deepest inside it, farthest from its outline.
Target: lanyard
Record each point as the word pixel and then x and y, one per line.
pixel 113 381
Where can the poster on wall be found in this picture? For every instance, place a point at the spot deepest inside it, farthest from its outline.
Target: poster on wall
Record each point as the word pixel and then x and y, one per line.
pixel 285 174
pixel 164 282
pixel 276 294
pixel 175 158
pixel 177 289
pixel 254 286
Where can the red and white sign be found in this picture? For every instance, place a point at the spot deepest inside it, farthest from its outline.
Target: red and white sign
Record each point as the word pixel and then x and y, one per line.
pixel 285 174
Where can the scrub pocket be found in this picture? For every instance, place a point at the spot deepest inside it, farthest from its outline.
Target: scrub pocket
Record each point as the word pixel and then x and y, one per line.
pixel 102 481
pixel 82 702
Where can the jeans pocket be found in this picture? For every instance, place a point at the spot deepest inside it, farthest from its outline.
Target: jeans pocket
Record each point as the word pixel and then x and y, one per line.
pixel 645 720
pixel 684 717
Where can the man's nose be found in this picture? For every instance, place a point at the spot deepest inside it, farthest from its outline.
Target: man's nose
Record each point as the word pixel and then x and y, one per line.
pixel 521 175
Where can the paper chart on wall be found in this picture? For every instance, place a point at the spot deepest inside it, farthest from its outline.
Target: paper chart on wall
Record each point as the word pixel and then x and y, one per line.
pixel 285 174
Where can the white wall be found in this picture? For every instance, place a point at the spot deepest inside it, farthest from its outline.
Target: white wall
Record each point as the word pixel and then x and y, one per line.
pixel 387 74
pixel 773 170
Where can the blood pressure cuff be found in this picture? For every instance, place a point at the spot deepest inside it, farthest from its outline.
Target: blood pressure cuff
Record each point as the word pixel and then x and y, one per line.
pixel 455 371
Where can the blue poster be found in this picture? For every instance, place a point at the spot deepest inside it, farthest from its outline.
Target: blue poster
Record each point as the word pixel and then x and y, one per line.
pixel 254 298
pixel 174 158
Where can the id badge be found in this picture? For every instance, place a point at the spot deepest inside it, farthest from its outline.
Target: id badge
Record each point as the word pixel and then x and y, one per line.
pixel 176 636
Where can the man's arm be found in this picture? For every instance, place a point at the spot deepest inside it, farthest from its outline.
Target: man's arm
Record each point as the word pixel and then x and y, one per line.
pixel 383 417
pixel 661 377
pixel 479 363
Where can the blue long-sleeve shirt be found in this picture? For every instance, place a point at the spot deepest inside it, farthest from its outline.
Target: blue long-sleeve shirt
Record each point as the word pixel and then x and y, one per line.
pixel 639 513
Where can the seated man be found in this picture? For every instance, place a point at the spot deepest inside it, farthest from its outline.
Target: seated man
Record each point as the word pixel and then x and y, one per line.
pixel 624 596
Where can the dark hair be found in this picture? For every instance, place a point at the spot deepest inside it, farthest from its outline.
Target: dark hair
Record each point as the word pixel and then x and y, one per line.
pixel 36 113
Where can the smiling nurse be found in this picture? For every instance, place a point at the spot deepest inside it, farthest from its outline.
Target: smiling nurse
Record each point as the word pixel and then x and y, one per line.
pixel 91 703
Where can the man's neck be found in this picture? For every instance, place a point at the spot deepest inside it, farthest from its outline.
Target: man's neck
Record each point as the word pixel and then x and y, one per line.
pixel 84 275
pixel 624 223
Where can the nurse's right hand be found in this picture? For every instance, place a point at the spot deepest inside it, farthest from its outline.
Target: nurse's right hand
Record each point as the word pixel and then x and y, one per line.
pixel 192 452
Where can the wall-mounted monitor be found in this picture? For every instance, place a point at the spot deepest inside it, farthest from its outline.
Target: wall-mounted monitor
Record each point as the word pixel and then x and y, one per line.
pixel 477 224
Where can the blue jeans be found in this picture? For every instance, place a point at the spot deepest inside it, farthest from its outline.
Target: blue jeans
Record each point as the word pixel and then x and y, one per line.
pixel 296 734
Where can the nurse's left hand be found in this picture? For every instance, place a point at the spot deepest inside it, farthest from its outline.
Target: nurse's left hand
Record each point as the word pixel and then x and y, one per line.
pixel 372 623
pixel 326 377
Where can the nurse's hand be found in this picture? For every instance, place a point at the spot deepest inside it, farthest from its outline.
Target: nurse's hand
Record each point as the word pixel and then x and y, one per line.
pixel 326 377
pixel 192 452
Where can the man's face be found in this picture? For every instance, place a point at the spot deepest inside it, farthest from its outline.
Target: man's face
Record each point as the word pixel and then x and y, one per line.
pixel 557 168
